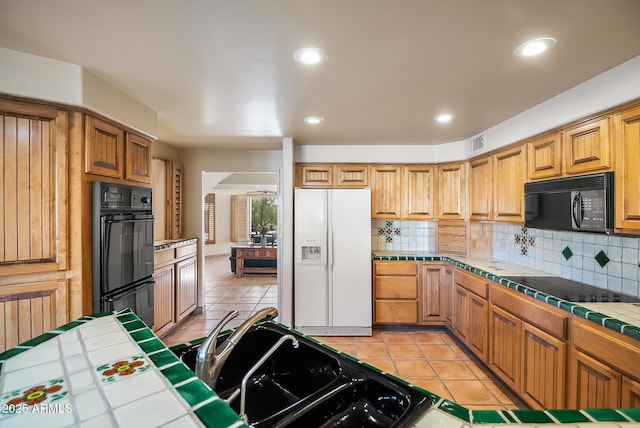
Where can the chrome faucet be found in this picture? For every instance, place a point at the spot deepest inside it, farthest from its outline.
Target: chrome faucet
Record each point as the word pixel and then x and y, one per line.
pixel 256 366
pixel 211 358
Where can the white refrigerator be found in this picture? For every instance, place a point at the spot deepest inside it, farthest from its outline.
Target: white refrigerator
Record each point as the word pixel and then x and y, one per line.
pixel 332 261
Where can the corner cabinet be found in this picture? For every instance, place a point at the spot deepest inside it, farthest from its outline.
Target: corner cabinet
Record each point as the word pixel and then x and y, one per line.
pixel 175 292
pixel 627 175
pixel 471 312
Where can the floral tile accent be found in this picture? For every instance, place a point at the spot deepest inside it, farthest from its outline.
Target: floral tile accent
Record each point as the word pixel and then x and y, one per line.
pixel 120 369
pixel 389 230
pixel 525 241
pixel 52 390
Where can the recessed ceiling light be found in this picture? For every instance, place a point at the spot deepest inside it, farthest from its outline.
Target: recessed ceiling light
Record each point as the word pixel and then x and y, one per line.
pixel 313 120
pixel 535 47
pixel 443 118
pixel 310 56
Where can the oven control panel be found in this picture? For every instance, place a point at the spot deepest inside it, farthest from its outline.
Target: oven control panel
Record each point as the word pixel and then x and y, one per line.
pixel 123 197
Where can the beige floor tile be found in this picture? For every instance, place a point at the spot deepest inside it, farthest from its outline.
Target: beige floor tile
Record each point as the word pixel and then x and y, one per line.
pixel 470 392
pixel 452 370
pixel 434 386
pixel 414 369
pixel 478 369
pixel 386 365
pixel 371 350
pixel 404 351
pixel 427 337
pixel 438 352
pixel 397 337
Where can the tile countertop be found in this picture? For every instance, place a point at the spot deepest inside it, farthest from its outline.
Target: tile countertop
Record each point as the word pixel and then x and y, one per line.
pixel 107 370
pixel 173 243
pixel 620 317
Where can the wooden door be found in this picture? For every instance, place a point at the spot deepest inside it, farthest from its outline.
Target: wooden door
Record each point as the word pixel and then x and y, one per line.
pixel 419 196
pixel 137 158
pixel 104 148
pixel 545 157
pixel 316 176
pixel 451 191
pixel 627 175
pixel 478 326
pixel 186 287
pixel 431 292
pixel 597 385
pixel 543 369
pixel 481 188
pixel 164 299
pixel 509 176
pixel 461 314
pixel 351 175
pixel 386 191
pixel 506 350
pixel 630 397
pixel 587 147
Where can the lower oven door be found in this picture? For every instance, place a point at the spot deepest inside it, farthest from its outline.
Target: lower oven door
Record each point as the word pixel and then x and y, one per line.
pixel 138 297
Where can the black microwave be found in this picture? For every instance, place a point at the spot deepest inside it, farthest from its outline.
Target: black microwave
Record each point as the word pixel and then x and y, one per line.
pixel 583 203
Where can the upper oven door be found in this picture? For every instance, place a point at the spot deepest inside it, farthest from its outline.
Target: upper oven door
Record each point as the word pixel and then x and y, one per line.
pixel 127 250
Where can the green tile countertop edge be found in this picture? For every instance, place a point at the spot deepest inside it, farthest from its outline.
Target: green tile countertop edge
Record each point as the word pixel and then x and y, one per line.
pixel 574 308
pixel 174 243
pixel 205 404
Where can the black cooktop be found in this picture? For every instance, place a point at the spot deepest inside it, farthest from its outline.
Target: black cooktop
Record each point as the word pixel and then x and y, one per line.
pixel 571 291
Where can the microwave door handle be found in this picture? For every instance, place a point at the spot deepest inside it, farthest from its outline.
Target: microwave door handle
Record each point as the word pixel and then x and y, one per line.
pixel 577 209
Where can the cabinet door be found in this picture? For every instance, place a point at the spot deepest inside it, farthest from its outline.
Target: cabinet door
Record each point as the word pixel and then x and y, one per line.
pixel 630 397
pixel 545 157
pixel 451 191
pixel 386 191
pixel 419 197
pixel 447 291
pixel 506 351
pixel 431 292
pixel 352 175
pixel 164 299
pixel 509 176
pixel 543 369
pixel 316 176
pixel 587 147
pixel 461 314
pixel 104 148
pixel 186 287
pixel 478 326
pixel 627 177
pixel 597 385
pixel 480 188
pixel 137 159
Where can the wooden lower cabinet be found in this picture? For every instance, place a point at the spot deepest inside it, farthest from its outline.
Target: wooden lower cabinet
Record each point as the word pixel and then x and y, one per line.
pixel 176 288
pixel 506 347
pixel 461 313
pixel 186 287
pixel 395 292
pixel 596 384
pixel 471 312
pixel 432 297
pixel 447 289
pixel 164 298
pixel 630 396
pixel 479 326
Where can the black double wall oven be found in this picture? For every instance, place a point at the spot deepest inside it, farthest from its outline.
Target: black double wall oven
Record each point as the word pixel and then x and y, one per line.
pixel 122 242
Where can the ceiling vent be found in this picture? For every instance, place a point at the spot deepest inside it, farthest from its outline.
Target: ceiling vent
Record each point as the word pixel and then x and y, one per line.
pixel 477 142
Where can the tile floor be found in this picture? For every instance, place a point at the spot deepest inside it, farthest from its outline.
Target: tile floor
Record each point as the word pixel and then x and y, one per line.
pixel 432 358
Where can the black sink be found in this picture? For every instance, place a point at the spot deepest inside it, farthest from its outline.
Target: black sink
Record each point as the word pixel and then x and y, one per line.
pixel 310 385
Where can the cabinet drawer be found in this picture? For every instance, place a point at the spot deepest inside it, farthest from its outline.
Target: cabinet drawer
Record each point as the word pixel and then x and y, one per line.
pixel 396 287
pixel 163 256
pixel 526 308
pixel 473 283
pixel 405 312
pixel 395 268
pixel 186 250
pixel 610 347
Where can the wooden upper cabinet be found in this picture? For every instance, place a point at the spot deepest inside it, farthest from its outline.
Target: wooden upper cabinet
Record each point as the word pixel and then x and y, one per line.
pixel 587 147
pixel 316 176
pixel 419 182
pixel 351 175
pixel 627 175
pixel 509 176
pixel 545 157
pixel 480 188
pixel 33 188
pixel 386 191
pixel 104 148
pixel 451 191
pixel 137 158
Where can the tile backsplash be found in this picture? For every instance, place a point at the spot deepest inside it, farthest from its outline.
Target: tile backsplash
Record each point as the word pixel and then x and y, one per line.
pixel 395 235
pixel 610 262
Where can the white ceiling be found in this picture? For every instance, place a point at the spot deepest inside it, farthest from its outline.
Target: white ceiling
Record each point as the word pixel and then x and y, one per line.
pixel 220 73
